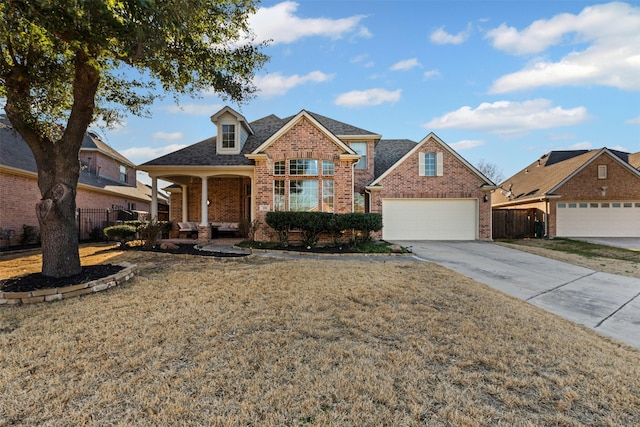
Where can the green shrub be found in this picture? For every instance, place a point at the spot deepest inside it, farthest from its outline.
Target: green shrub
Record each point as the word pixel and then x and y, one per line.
pixel 280 222
pixel 121 233
pixel 312 224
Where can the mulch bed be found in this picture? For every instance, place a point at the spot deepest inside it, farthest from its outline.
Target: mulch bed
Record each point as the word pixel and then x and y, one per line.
pixel 35 281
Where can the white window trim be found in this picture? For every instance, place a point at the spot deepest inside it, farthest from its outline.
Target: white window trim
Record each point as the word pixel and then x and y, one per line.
pixel 439 163
pixel 602 171
pixel 236 148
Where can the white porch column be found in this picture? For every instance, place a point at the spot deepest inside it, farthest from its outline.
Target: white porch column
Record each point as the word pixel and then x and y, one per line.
pixel 185 205
pixel 204 215
pixel 154 198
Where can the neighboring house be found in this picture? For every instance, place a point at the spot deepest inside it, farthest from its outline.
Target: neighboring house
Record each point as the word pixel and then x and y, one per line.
pixel 579 193
pixel 309 162
pixel 107 181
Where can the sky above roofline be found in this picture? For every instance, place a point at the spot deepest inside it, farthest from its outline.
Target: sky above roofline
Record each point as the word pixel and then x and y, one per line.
pixel 498 81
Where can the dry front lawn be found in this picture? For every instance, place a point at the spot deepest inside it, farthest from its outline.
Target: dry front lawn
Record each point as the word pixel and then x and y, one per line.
pixel 274 342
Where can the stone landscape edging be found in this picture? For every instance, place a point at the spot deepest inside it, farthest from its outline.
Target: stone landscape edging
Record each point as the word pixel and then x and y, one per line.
pixel 56 294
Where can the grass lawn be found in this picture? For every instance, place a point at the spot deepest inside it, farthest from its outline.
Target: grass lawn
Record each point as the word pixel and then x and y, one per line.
pixel 274 342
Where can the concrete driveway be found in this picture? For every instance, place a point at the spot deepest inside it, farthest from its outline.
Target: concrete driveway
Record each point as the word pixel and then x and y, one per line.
pixel 605 302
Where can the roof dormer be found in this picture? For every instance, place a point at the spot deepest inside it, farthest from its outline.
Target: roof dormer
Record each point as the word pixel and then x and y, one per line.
pixel 233 131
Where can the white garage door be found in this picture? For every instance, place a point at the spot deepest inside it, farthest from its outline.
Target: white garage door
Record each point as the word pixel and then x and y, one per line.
pixel 598 219
pixel 429 219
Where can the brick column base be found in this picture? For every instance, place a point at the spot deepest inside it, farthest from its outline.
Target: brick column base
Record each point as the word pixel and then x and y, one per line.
pixel 204 233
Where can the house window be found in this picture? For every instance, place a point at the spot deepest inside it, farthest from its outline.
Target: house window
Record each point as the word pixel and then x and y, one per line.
pixel 279 168
pixel 228 136
pixel 562 205
pixel 602 171
pixel 327 195
pixel 358 203
pixel 123 173
pixel 131 206
pixel 430 164
pixel 278 195
pixel 328 168
pixel 303 167
pixel 303 195
pixel 616 205
pixel 360 148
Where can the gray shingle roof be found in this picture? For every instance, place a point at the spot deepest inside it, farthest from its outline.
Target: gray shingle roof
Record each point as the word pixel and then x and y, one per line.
pixel 204 153
pixel 15 153
pixel 389 151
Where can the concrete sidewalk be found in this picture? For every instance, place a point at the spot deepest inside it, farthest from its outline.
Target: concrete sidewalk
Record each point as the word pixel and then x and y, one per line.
pixel 607 303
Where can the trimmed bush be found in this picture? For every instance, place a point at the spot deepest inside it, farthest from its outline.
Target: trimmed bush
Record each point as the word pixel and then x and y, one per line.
pixel 312 224
pixel 121 233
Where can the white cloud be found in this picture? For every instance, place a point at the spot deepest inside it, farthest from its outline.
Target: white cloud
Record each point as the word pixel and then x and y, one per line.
pixel 633 121
pixel 367 98
pixel 193 109
pixel 431 73
pixel 466 144
pixel 142 154
pixel 510 118
pixel 440 36
pixel 280 24
pixel 406 64
pixel 611 58
pixel 167 136
pixel 277 84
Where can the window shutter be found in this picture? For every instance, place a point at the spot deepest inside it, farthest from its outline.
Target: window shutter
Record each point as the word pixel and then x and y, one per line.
pixel 439 167
pixel 420 164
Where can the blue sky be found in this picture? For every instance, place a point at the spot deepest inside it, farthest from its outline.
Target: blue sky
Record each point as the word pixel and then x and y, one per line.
pixel 500 81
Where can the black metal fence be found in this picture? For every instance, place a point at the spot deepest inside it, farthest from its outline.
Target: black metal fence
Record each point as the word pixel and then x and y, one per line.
pixel 91 222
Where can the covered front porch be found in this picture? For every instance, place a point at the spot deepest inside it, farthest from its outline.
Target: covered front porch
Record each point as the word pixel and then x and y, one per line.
pixel 227 206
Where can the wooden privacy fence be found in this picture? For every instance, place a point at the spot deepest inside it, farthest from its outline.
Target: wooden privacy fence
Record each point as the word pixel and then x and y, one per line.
pixel 517 223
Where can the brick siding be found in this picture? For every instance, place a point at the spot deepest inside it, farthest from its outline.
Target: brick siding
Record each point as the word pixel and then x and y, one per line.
pixel 457 182
pixel 20 194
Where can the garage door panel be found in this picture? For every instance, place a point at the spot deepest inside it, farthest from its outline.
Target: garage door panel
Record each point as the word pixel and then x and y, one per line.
pixel 603 219
pixel 429 219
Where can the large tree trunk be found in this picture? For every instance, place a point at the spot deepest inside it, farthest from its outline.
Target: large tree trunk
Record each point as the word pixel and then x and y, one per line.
pixel 57 162
pixel 59 230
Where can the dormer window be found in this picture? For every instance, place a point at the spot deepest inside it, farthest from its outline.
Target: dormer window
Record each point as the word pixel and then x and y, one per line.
pixel 229 136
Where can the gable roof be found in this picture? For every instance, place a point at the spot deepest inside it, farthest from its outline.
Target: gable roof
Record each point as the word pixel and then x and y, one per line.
pixel 204 153
pixel 312 118
pixel 239 117
pixel 431 136
pixel 541 178
pixel 634 160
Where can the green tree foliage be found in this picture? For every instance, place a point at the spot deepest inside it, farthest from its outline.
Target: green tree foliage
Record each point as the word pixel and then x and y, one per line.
pixel 67 63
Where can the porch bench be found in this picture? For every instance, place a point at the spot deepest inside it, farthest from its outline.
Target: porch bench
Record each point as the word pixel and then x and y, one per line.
pixel 188 229
pixel 226 227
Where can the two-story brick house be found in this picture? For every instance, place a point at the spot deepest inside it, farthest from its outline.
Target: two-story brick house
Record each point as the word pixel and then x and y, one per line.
pixel 107 181
pixel 309 162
